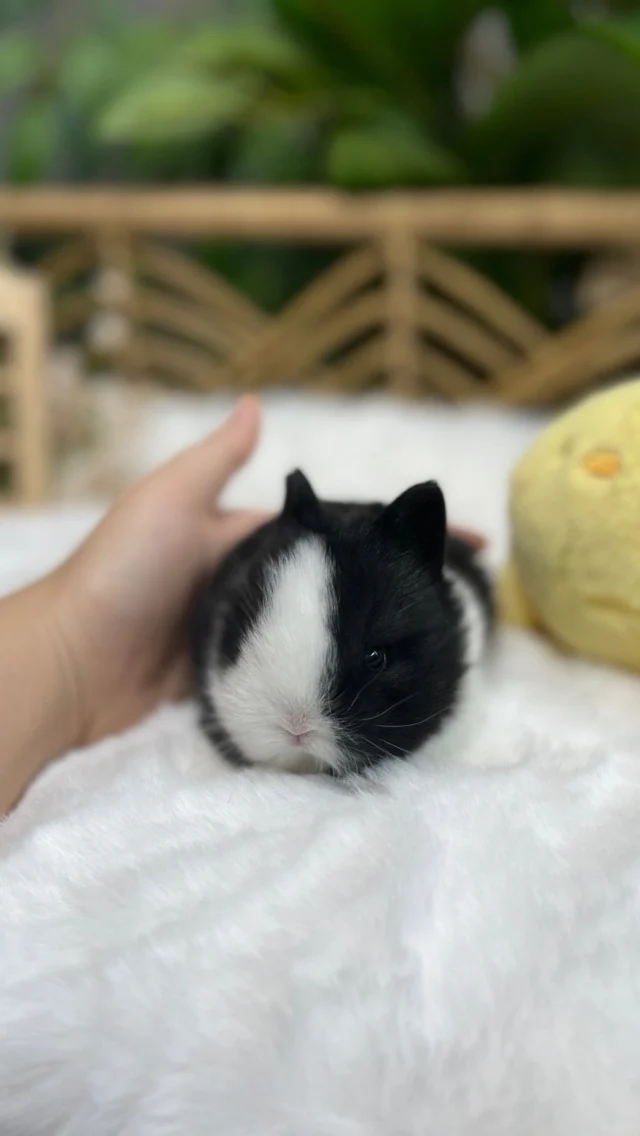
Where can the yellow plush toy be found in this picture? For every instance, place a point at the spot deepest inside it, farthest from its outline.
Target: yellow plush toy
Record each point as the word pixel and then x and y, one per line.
pixel 574 570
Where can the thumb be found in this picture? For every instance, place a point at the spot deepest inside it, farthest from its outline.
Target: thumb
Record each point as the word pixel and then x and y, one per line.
pixel 205 468
pixel 229 528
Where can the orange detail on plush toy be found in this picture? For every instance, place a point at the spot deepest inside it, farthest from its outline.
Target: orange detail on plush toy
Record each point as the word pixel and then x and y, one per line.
pixel 602 463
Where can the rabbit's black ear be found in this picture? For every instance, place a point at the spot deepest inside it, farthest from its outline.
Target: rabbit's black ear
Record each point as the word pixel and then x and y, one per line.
pixel 300 503
pixel 417 522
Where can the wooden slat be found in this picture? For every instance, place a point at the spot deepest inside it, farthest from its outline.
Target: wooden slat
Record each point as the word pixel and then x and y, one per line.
pixel 568 374
pixel 205 287
pixel 361 366
pixel 402 299
pixel 63 263
pixel 532 218
pixel 333 287
pixel 165 311
pixel 482 297
pixel 361 315
pixel 442 376
pixel 191 368
pixel 569 360
pixel 463 336
pixel 282 345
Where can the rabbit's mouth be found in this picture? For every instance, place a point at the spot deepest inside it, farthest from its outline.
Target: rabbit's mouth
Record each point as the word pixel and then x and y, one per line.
pixel 309 752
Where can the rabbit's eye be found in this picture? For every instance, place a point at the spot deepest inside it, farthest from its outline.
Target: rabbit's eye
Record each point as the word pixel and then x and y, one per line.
pixel 375 661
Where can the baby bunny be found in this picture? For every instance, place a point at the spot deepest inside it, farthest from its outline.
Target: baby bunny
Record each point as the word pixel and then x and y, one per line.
pixel 340 635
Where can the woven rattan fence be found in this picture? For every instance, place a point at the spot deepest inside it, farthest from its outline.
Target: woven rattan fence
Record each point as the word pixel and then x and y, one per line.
pixel 395 310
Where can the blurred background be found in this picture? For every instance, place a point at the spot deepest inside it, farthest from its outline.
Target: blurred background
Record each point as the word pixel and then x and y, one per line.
pixel 355 95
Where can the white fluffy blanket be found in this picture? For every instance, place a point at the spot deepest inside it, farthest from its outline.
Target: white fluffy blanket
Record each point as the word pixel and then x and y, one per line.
pixel 187 949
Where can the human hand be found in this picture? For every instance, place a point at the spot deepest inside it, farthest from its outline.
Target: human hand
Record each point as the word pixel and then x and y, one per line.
pixel 118 606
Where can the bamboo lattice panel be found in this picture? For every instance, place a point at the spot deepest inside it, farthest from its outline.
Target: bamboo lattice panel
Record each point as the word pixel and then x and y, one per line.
pixel 393 312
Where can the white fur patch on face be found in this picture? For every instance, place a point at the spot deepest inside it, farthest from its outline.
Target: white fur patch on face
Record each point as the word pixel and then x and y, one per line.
pixel 271 701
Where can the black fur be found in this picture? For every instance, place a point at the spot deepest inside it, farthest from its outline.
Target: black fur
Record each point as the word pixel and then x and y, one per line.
pixel 462 559
pixel 393 597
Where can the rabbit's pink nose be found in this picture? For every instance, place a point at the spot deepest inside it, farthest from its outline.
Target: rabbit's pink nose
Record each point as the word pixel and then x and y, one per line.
pixel 298 728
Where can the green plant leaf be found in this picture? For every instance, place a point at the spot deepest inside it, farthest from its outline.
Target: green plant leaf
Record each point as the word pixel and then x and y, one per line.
pixel 277 151
pixel 568 81
pixel 622 34
pixel 32 142
pixel 96 67
pixel 17 11
pixel 19 61
pixel 534 22
pixel 377 157
pixel 146 48
pixel 247 48
pixel 407 48
pixel 90 70
pixel 172 105
pixel 346 40
pixel 575 161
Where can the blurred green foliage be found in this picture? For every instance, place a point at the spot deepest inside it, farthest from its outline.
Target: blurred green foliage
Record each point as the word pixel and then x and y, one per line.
pixel 359 94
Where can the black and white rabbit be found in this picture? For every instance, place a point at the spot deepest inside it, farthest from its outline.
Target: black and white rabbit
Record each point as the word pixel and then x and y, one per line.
pixel 339 635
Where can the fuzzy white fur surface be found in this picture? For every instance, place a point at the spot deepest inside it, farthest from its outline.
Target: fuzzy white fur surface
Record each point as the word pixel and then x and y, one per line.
pixel 453 949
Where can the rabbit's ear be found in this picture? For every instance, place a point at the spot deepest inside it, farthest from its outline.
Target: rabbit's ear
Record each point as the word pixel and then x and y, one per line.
pixel 417 522
pixel 301 503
